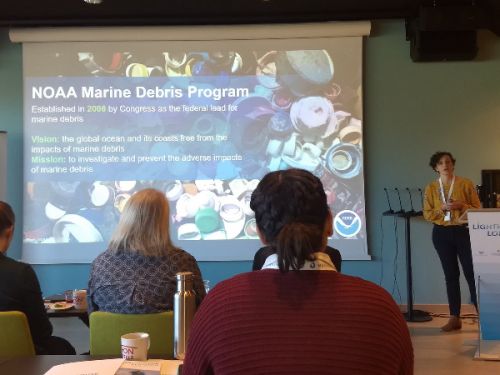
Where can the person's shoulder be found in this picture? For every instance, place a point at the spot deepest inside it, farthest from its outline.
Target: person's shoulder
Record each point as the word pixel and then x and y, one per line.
pixel 264 251
pixel 177 250
pixel 15 269
pixel 238 281
pixel 108 257
pixel 14 264
pixel 106 254
pixel 369 288
pixel 249 282
pixel 332 250
pixel 464 180
pixel 178 256
pixel 434 184
pixel 355 280
pixel 235 288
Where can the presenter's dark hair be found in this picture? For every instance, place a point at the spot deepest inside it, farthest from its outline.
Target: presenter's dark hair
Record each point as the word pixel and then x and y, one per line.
pixel 291 211
pixel 7 217
pixel 437 156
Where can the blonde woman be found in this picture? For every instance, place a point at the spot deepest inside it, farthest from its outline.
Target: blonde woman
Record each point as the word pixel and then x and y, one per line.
pixel 136 274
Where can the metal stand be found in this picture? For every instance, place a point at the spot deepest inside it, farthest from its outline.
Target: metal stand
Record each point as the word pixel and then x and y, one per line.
pixel 411 315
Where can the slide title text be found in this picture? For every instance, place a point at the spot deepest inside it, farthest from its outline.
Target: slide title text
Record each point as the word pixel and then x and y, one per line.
pixel 140 92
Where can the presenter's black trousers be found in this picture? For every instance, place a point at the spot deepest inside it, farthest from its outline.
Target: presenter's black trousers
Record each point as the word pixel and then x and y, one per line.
pixel 452 244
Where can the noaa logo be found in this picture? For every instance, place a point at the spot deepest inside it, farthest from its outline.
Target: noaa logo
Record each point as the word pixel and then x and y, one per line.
pixel 347 223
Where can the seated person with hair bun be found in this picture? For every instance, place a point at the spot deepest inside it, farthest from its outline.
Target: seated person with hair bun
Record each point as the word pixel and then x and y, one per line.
pixel 297 315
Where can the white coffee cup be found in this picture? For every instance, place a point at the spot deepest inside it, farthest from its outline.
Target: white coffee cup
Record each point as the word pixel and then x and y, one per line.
pixel 135 346
pixel 80 299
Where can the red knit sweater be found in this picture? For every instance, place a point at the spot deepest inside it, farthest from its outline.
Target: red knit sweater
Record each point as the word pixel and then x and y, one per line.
pixel 300 322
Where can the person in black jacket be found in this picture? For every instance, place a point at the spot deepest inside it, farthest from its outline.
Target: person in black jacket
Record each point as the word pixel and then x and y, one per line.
pixel 20 291
pixel 261 255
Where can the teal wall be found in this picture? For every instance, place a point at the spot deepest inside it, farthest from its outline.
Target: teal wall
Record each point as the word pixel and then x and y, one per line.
pixel 411 110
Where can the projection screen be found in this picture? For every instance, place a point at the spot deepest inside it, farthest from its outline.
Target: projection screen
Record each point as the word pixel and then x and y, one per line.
pixel 200 113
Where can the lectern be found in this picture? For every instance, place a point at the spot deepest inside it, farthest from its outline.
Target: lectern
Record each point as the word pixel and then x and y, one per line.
pixel 484 229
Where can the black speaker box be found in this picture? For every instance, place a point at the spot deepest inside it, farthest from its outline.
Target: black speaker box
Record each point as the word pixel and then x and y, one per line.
pixel 451 17
pixel 443 45
pixel 447 32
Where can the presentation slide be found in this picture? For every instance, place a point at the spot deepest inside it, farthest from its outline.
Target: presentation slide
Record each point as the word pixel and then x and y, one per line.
pixel 200 122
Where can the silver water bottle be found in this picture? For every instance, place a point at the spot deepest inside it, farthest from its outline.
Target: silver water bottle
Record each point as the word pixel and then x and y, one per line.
pixel 184 309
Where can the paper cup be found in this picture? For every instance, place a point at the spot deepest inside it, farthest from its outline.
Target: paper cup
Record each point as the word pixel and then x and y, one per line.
pixel 101 194
pixel 232 216
pixel 80 299
pixel 137 70
pixel 174 190
pixel 207 220
pixel 68 296
pixel 188 231
pixel 186 207
pixel 344 160
pixel 341 160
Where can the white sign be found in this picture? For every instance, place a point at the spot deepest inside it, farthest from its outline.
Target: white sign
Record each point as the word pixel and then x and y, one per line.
pixel 484 229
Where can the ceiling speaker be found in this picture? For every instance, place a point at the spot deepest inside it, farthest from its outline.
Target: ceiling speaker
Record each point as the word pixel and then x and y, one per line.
pixel 443 45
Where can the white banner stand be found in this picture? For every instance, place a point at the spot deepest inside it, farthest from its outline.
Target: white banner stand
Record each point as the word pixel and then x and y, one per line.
pixel 484 229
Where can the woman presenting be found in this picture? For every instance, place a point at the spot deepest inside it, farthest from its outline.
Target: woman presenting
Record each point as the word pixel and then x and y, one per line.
pixel 446 199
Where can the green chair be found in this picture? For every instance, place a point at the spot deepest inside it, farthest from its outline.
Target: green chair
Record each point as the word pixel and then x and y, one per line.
pixel 107 328
pixel 15 335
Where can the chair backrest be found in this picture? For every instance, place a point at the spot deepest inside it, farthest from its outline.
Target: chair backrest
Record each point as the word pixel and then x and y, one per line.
pixel 107 328
pixel 15 335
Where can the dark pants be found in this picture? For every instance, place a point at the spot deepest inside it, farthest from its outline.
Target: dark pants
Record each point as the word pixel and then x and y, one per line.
pixel 55 345
pixel 452 244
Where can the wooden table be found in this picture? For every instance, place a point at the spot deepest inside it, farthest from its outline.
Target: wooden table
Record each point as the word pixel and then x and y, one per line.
pixel 81 314
pixel 40 364
pixel 37 365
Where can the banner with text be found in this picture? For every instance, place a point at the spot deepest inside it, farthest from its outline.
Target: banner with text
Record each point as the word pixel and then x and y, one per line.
pixel 484 229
